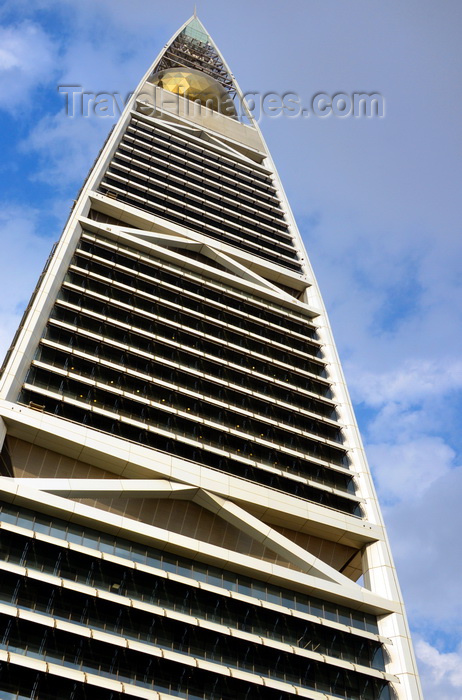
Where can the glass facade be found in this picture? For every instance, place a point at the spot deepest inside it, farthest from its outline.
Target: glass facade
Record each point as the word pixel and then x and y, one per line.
pixel 159 171
pixel 121 618
pixel 272 356
pixel 20 683
pixel 196 570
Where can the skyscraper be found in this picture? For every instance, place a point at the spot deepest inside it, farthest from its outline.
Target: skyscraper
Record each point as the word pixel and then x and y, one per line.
pixel 186 509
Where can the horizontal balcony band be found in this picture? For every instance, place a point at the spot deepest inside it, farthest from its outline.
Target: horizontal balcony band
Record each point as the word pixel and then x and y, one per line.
pixel 131 139
pixel 220 176
pixel 335 445
pixel 265 224
pixel 174 201
pixel 57 658
pixel 160 326
pixel 220 144
pixel 164 183
pixel 173 344
pixel 174 187
pixel 73 675
pixel 112 288
pixel 224 184
pixel 272 689
pixel 261 186
pixel 187 139
pixel 342 492
pixel 154 221
pixel 257 573
pixel 304 320
pixel 125 601
pixel 190 330
pixel 181 307
pixel 204 189
pixel 191 582
pixel 54 564
pixel 167 215
pixel 156 141
pixel 321 426
pixel 207 296
pixel 168 358
pixel 215 146
pixel 194 372
pixel 198 421
pixel 190 393
pixel 240 235
pixel 236 464
pixel 119 640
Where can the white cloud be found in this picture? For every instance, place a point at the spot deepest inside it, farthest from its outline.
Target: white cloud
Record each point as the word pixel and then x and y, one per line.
pixel 407 402
pixel 28 58
pixel 441 672
pixel 425 541
pixel 411 381
pixel 65 147
pixel 404 471
pixel 125 17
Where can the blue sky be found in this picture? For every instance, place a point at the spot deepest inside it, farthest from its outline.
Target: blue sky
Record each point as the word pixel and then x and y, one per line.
pixel 377 202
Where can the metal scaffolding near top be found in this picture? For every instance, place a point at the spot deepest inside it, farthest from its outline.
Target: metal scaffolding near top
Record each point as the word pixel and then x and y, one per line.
pixel 188 51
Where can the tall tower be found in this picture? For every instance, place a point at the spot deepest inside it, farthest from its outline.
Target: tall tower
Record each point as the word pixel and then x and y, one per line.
pixel 186 508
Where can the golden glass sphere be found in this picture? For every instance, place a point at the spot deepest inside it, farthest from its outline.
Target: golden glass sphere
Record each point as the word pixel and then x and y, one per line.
pixel 197 87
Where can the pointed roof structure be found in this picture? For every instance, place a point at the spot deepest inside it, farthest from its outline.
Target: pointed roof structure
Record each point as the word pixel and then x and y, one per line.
pixel 193 48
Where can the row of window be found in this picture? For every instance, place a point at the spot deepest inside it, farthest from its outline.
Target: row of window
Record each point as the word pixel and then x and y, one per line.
pixel 180 437
pixel 129 360
pixel 265 229
pixel 152 150
pixel 161 416
pixel 21 683
pixel 200 408
pixel 212 289
pixel 159 371
pixel 159 312
pixel 166 208
pixel 146 671
pixel 125 665
pixel 163 279
pixel 153 160
pixel 240 173
pixel 184 637
pixel 196 453
pixel 136 351
pixel 194 569
pixel 141 336
pixel 151 166
pixel 160 303
pixel 163 196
